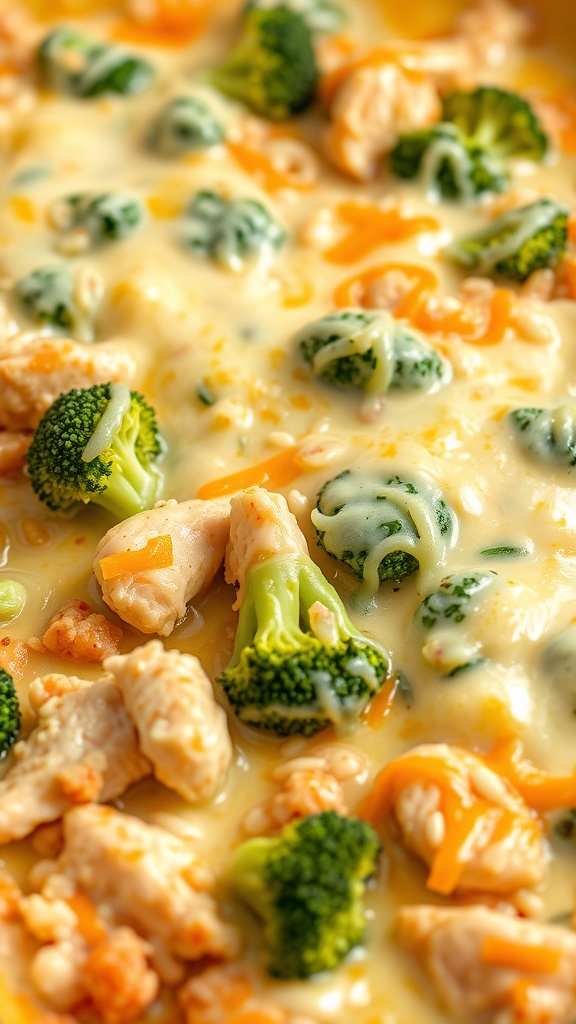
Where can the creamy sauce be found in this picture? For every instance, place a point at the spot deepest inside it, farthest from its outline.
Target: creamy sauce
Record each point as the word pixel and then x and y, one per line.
pixel 194 325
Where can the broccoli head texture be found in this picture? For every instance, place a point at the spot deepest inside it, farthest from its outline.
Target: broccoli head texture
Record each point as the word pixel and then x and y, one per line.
pixel 499 122
pixel 285 678
pixel 450 166
pixel 10 717
pixel 47 295
pixel 548 434
pixel 72 63
pixel 273 67
pixel 184 124
pixel 382 527
pixel 105 218
pixel 369 350
pixel 457 597
pixel 230 231
pixel 307 884
pixel 517 243
pixel 321 16
pixel 100 445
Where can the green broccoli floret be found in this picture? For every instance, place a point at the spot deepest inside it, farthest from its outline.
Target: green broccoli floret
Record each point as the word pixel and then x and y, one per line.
pixel 105 218
pixel 230 231
pixel 369 350
pixel 100 445
pixel 47 295
pixel 72 63
pixel 308 885
pixel 497 121
pixel 382 527
pixel 322 16
pixel 273 68
pixel 548 434
pixel 444 617
pixel 517 243
pixel 449 166
pixel 9 713
pixel 184 125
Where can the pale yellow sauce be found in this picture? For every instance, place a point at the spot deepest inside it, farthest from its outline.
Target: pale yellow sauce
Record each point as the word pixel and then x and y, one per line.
pixel 189 321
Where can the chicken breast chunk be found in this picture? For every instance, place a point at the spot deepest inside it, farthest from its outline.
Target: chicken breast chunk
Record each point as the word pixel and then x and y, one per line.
pixel 261 527
pixel 182 729
pixel 153 600
pixel 149 878
pixel 34 370
pixel 466 822
pixel 483 962
pixel 84 748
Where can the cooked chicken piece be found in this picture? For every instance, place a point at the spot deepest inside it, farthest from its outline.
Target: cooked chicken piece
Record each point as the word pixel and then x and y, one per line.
pixel 13 448
pixel 84 748
pixel 261 527
pixel 372 107
pixel 482 961
pixel 78 632
pixel 491 29
pixel 149 878
pixel 118 978
pixel 44 688
pixel 153 600
pixel 181 728
pixel 212 996
pixel 34 370
pixel 470 825
pixel 56 973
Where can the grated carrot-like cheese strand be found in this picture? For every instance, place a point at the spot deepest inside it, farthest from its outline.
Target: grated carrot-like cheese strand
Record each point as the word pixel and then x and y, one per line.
pixel 90 926
pixel 278 471
pixel 156 554
pixel 371 227
pixel 501 307
pixel 260 165
pixel 353 291
pixel 519 956
pixel 541 792
pixel 381 704
pixel 174 23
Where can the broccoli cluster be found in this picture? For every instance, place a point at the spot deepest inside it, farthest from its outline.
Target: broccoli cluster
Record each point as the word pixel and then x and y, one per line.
pixel 322 16
pixel 47 296
pixel 548 434
pixel 10 717
pixel 109 217
pixel 230 231
pixel 98 444
pixel 283 676
pixel 73 63
pixel 463 157
pixel 308 885
pixel 517 243
pixel 184 125
pixel 273 67
pixel 381 527
pixel 369 350
pixel 444 614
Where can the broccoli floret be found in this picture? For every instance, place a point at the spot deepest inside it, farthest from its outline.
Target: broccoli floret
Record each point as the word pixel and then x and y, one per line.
pixel 47 295
pixel 9 713
pixel 100 445
pixel 517 243
pixel 308 885
pixel 450 167
pixel 322 16
pixel 548 434
pixel 443 617
pixel 72 63
pixel 184 125
pixel 283 677
pixel 497 121
pixel 273 68
pixel 369 350
pixel 230 231
pixel 106 218
pixel 382 527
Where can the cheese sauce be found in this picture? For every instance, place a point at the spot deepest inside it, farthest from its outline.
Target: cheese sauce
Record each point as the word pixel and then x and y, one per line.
pixel 218 358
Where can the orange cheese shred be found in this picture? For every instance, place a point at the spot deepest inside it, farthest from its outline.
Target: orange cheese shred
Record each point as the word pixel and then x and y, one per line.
pixel 354 290
pixel 519 956
pixel 381 705
pixel 156 554
pixel 370 227
pixel 173 23
pixel 90 927
pixel 260 166
pixel 278 471
pixel 542 792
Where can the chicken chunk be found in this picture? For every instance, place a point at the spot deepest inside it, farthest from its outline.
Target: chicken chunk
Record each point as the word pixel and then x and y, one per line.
pixel 482 961
pixel 78 632
pixel 149 878
pixel 212 996
pixel 372 107
pixel 34 370
pixel 118 978
pixel 261 527
pixel 182 729
pixel 84 748
pixel 153 600
pixel 466 822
